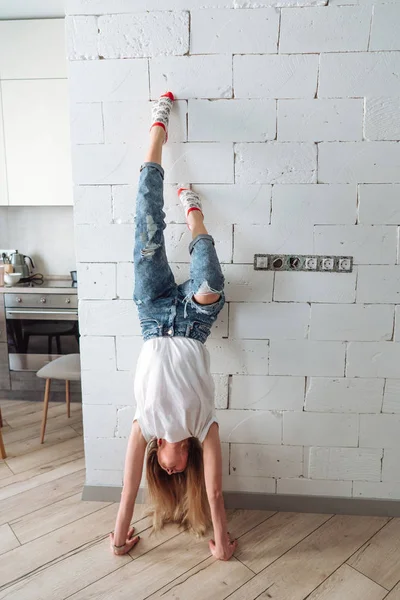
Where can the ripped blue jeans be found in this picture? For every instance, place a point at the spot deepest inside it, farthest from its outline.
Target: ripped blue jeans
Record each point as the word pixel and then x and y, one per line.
pixel 165 308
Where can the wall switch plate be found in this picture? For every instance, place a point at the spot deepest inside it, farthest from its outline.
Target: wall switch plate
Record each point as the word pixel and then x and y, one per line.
pixel 300 262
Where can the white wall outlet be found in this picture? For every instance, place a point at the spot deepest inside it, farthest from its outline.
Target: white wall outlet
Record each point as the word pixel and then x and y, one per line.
pixel 310 263
pixel 327 263
pixel 344 263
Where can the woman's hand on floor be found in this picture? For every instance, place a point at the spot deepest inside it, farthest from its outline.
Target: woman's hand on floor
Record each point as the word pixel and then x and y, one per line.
pixel 225 550
pixel 129 544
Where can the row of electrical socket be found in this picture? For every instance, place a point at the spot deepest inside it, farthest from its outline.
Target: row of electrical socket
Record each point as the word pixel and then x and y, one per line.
pixel 300 262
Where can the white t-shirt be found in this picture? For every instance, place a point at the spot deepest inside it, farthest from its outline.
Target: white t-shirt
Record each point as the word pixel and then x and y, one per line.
pixel 174 389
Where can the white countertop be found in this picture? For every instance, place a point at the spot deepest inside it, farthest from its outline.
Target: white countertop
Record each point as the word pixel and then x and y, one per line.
pixel 49 286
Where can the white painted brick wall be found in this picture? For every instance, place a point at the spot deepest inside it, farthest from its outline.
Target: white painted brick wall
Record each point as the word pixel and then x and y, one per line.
pixel 323 29
pixel 286 122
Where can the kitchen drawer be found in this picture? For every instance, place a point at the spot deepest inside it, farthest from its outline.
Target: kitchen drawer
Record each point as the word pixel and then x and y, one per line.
pixel 41 300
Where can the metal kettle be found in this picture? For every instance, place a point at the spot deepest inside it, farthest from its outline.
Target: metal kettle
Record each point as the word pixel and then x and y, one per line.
pixel 20 265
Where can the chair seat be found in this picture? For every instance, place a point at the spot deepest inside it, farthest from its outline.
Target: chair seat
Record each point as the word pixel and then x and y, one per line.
pixel 66 367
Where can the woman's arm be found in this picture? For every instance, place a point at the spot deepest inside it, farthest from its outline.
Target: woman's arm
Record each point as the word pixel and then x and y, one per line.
pixel 132 477
pixel 221 547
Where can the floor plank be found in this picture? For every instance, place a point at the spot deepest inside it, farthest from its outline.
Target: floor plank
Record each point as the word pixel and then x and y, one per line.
pixel 264 544
pixel 33 431
pixel 386 545
pixel 8 539
pixel 307 565
pixel 35 416
pixel 394 594
pixel 5 470
pixel 27 502
pixel 44 455
pixel 348 583
pixel 20 447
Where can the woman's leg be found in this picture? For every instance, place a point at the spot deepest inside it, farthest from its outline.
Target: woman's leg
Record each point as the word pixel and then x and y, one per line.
pixel 153 276
pixel 205 270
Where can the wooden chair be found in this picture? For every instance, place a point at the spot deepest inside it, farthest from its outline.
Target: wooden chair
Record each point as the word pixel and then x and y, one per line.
pixel 2 448
pixel 68 368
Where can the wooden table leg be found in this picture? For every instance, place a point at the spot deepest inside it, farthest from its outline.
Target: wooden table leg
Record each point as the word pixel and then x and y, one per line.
pixel 45 408
pixel 67 397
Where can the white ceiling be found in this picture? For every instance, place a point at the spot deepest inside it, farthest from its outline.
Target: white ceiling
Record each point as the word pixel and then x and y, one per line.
pixel 31 9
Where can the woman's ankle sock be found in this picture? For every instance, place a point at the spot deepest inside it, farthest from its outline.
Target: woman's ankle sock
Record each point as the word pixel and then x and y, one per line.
pixel 161 111
pixel 190 200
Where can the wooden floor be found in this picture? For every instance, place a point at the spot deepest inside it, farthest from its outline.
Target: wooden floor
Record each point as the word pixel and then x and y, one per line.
pixel 54 546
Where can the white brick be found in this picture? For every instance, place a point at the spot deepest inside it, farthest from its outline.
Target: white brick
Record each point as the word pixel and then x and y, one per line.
pixel 385 27
pixel 275 162
pixel 178 238
pixel 224 203
pixel 380 431
pixel 108 80
pixel 143 34
pixel 221 383
pixel 234 31
pixel 105 454
pixel 128 350
pixel 358 464
pixel 314 487
pixel 232 120
pixel 192 76
pixel 100 420
pixel 279 321
pixel 359 162
pixel 248 357
pixel 320 120
pixel 390 466
pixel 244 284
pixel 271 239
pixel 115 388
pixel 368 244
pixel 306 357
pixel 220 327
pixel 386 491
pixel 124 203
pixel 266 393
pixel 315 287
pixel 311 204
pixel 97 353
pixel 123 6
pixel 280 76
pixel 357 2
pixel 329 29
pixel 278 3
pixel 379 284
pixel 352 322
pixel 92 205
pixel 104 243
pixel 359 74
pixel 379 204
pixel 391 397
pixel 306 429
pixel 125 280
pixel 266 461
pixel 125 416
pixel 344 395
pixel 81 37
pixel 250 426
pixel 109 317
pixel 373 359
pixel 382 118
pixel 97 281
pixel 261 485
pixel 181 271
pixel 130 121
pixel 199 163
pixel 87 124
pixel 105 164
pixel 109 477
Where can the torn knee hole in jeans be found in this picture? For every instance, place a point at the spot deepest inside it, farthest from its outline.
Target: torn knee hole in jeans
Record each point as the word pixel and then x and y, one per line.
pixel 203 290
pixel 150 246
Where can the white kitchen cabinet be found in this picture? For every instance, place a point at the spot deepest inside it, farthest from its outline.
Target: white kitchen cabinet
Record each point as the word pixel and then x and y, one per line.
pixel 32 49
pixel 3 176
pixel 37 142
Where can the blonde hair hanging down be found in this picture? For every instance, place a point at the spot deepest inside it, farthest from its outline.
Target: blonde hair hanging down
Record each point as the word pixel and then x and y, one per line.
pixel 181 497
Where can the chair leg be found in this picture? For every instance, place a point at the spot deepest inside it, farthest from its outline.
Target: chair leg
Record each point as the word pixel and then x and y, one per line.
pixel 67 397
pixel 2 449
pixel 45 408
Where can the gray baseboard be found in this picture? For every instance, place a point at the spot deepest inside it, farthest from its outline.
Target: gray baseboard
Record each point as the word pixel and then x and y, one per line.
pixel 285 503
pixel 37 396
